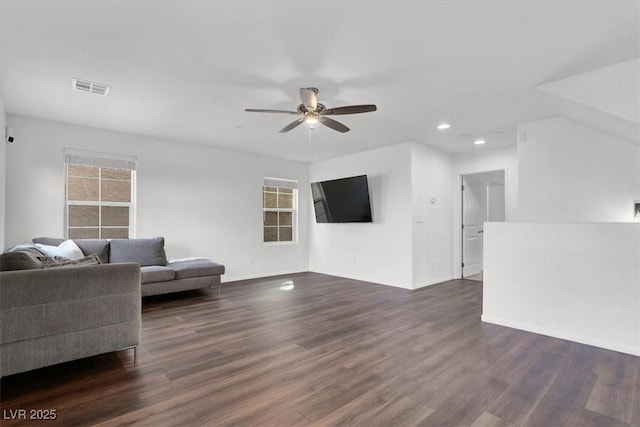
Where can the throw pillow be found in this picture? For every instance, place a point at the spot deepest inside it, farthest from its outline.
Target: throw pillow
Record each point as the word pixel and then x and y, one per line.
pixel 28 248
pixel 66 249
pixel 52 261
pixel 99 247
pixel 10 261
pixel 56 261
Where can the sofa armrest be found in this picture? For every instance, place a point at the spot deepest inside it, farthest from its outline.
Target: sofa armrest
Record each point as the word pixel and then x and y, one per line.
pixel 53 301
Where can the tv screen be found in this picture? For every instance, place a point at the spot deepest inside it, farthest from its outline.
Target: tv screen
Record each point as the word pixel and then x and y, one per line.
pixel 342 200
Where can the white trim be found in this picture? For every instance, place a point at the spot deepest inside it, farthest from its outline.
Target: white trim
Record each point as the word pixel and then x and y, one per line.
pixel 134 205
pixel 227 279
pixel 113 161
pixel 95 158
pixel 360 278
pixel 93 203
pixel 559 334
pixel 279 182
pixel 457 214
pixel 283 243
pixel 433 282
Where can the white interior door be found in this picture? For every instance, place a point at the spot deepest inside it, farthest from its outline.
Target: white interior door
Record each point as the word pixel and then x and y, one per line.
pixel 471 229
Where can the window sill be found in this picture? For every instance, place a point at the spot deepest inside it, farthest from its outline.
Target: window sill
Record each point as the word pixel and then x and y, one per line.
pixel 279 243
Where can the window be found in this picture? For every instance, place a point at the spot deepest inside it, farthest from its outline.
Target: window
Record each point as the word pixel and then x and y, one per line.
pixel 99 196
pixel 279 203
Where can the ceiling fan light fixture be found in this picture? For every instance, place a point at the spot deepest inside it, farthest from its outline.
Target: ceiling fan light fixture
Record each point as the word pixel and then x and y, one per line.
pixel 311 119
pixel 312 112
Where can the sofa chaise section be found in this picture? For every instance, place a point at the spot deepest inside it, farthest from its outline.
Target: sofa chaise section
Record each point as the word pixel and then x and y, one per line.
pixel 180 276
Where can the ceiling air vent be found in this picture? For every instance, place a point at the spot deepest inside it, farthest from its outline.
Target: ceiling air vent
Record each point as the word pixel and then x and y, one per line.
pixel 90 87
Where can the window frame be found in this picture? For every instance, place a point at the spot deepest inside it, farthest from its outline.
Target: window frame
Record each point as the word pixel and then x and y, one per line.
pixel 293 210
pixel 131 204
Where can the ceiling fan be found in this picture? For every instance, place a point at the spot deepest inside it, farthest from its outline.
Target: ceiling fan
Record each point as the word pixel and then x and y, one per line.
pixel 311 111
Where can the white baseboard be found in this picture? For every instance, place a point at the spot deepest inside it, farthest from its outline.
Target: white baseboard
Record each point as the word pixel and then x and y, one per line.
pixel 433 282
pixel 227 279
pixel 361 278
pixel 622 348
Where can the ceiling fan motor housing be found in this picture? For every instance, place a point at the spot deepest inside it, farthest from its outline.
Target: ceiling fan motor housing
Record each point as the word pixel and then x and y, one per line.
pixel 302 109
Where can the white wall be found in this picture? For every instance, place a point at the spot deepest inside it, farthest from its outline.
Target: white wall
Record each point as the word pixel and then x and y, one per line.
pixel 379 252
pixel 613 89
pixel 578 281
pixel 3 174
pixel 408 245
pixel 204 201
pixel 483 160
pixel 432 205
pixel 569 172
pixel 504 158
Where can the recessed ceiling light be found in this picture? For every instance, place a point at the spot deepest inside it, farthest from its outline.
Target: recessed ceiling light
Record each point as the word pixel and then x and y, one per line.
pixel 479 141
pixel 443 126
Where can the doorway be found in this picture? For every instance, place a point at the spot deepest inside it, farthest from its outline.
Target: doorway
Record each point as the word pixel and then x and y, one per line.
pixel 482 199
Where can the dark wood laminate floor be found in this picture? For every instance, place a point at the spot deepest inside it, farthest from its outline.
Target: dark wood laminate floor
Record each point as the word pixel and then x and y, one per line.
pixel 334 351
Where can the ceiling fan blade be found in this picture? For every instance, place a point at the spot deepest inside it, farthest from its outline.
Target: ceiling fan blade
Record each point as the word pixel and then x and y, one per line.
pixel 292 125
pixel 335 125
pixel 309 99
pixel 259 110
pixel 350 109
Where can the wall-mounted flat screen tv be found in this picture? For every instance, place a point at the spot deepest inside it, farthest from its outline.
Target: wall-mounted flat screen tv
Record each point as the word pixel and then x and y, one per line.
pixel 342 200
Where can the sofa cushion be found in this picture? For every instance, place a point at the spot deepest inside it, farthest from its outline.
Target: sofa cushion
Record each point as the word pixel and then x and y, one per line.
pixel 66 249
pixel 143 251
pixel 196 268
pixel 156 273
pixel 99 247
pixel 18 260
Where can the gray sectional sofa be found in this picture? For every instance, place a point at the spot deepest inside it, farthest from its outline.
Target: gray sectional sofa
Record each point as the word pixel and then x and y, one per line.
pixel 156 274
pixel 54 315
pixel 76 309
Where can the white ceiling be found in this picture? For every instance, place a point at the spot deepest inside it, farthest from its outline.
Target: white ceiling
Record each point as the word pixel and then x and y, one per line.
pixel 185 70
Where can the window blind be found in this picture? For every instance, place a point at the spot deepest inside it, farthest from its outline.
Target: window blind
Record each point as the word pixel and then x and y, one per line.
pixel 282 183
pixel 103 160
